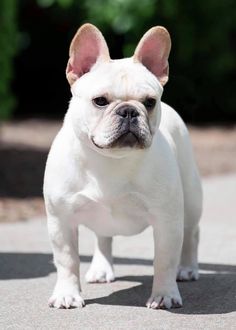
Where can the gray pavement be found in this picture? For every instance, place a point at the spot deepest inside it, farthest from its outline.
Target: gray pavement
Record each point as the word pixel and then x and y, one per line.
pixel 27 276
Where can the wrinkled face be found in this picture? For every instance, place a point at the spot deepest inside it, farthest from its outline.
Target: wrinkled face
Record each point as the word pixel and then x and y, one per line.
pixel 116 106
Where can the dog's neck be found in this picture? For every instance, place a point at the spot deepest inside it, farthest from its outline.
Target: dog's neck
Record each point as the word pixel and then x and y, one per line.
pixel 122 165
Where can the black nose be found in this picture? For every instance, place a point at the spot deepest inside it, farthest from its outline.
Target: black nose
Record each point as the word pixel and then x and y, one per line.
pixel 127 111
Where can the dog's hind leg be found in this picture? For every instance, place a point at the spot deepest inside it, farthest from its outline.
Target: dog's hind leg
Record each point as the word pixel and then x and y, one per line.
pixel 188 268
pixel 101 269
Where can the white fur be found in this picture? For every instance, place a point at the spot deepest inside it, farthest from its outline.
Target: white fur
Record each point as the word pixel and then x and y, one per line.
pixel 122 191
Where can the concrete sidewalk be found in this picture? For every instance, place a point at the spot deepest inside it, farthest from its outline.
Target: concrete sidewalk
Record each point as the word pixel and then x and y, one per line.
pixel 27 276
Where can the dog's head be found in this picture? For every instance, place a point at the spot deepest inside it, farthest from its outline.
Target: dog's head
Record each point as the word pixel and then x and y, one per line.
pixel 116 103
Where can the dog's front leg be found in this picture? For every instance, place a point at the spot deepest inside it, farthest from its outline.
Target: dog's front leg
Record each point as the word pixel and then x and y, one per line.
pixel 101 269
pixel 64 240
pixel 168 238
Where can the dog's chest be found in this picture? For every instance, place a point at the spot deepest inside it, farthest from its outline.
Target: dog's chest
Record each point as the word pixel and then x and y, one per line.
pixel 123 215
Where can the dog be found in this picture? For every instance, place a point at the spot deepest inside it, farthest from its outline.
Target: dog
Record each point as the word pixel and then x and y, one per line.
pixel 122 161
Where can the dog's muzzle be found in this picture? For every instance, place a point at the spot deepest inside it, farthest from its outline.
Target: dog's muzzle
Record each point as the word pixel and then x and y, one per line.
pixel 128 134
pixel 127 131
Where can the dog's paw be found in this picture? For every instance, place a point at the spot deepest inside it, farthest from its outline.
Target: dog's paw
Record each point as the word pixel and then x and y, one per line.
pixel 66 300
pixel 164 302
pixel 100 273
pixel 165 298
pixel 187 273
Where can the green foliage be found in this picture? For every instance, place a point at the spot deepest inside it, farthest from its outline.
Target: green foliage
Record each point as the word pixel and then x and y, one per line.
pixel 8 49
pixel 202 62
pixel 203 58
pixel 120 15
pixel 48 3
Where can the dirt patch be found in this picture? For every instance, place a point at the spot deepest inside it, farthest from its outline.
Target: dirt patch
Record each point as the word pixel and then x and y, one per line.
pixel 214 149
pixel 24 147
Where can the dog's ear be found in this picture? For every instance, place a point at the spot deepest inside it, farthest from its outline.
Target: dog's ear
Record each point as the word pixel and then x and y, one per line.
pixel 153 52
pixel 87 47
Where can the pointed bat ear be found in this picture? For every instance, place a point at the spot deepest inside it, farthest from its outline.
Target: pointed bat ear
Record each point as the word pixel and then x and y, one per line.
pixel 153 51
pixel 87 47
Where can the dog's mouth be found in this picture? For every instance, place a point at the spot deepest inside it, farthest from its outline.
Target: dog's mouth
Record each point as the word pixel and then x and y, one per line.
pixel 128 138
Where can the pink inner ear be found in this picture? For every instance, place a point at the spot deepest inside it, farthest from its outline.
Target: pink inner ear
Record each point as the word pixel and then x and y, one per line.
pixel 86 53
pixel 151 55
pixel 86 48
pixel 153 51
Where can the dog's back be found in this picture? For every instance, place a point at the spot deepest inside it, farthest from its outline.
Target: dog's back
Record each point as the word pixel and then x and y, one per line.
pixel 174 129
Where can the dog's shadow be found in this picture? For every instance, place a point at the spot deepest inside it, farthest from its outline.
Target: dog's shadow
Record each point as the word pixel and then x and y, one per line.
pixel 213 293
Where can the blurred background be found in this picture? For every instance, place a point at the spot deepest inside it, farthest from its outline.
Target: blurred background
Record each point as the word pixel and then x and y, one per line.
pixel 34 94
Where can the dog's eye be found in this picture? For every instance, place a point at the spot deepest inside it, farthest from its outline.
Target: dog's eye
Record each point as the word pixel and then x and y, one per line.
pixel 149 103
pixel 100 101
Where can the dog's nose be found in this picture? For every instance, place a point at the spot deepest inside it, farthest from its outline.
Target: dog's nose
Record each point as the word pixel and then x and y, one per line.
pixel 127 111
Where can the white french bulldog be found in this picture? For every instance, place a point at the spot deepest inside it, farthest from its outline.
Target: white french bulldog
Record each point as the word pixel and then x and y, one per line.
pixel 122 161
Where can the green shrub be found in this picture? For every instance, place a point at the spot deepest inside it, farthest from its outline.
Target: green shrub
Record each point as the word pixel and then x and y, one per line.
pixel 8 49
pixel 202 62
